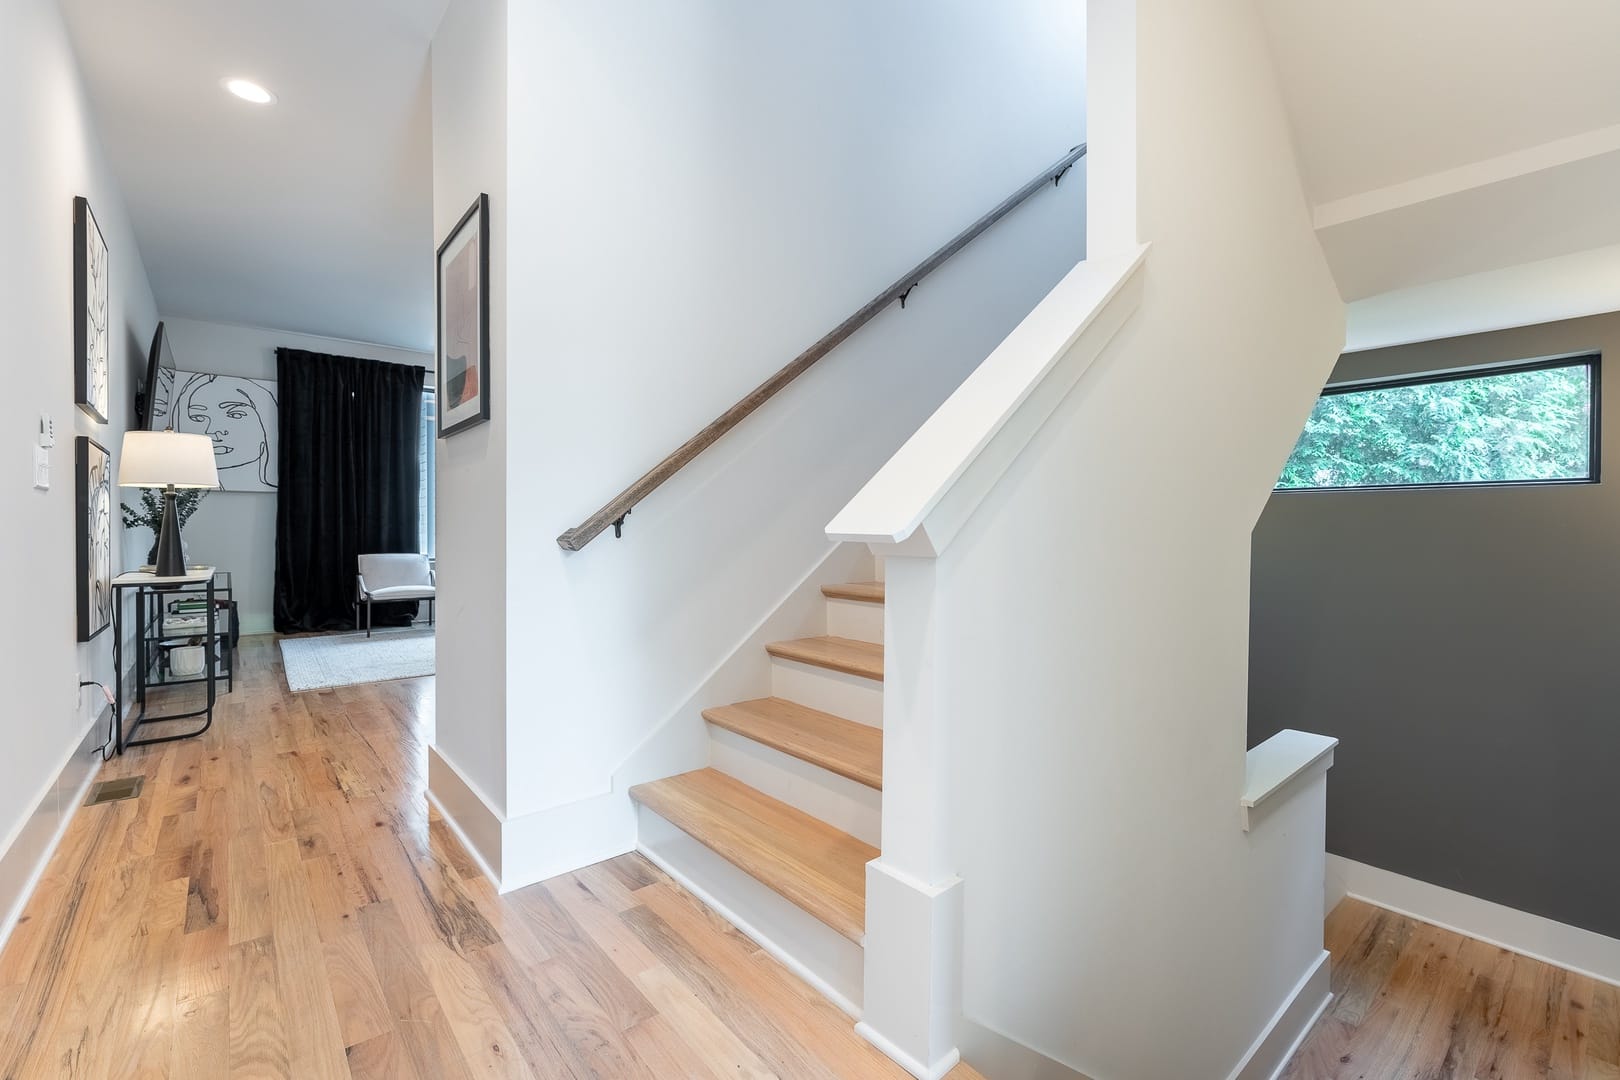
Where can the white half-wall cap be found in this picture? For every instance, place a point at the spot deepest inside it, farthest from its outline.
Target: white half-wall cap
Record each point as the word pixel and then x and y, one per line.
pixel 161 458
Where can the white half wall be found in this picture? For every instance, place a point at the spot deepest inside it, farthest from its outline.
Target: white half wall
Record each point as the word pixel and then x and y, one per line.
pixel 1087 625
pixel 52 153
pixel 236 530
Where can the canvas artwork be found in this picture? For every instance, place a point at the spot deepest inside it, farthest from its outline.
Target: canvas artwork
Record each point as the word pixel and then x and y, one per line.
pixel 463 350
pixel 94 512
pixel 92 332
pixel 238 414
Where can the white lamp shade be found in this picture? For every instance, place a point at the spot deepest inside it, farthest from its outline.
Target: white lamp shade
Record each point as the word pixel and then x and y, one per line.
pixel 161 458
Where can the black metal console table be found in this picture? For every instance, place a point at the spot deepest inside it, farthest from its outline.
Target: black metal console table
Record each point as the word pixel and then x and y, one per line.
pixel 154 644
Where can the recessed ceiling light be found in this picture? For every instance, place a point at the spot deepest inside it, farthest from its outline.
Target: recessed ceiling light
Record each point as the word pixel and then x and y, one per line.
pixel 248 90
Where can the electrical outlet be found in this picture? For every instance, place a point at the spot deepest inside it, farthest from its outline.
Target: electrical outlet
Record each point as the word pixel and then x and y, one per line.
pixel 42 468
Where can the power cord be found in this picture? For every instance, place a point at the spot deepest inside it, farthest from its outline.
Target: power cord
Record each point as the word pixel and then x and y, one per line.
pixel 105 749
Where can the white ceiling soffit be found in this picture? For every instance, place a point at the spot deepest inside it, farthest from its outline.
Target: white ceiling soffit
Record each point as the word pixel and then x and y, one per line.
pixel 1567 287
pixel 312 214
pixel 1450 138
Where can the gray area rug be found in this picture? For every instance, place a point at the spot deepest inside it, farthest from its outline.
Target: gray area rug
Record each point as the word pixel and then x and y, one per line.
pixel 315 663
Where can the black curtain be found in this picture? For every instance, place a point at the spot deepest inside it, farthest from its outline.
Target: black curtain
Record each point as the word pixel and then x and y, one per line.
pixel 349 482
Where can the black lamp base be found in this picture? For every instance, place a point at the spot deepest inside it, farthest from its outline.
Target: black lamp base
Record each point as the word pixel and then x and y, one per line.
pixel 170 562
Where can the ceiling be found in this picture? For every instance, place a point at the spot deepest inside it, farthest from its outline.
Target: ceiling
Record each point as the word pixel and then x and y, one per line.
pixel 1445 140
pixel 313 214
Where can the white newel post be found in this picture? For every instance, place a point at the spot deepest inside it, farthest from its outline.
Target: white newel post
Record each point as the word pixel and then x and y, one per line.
pixel 908 514
pixel 913 995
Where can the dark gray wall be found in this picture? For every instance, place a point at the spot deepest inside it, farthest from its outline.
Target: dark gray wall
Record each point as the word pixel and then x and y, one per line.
pixel 1464 646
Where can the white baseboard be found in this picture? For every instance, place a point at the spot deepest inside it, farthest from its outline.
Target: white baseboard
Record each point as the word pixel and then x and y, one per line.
pixel 518 851
pixel 993 1053
pixel 1581 951
pixel 561 839
pixel 1282 1037
pixel 476 823
pixel 933 1071
pixel 36 839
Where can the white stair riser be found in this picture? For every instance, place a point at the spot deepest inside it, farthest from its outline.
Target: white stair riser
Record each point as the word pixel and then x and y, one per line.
pixel 850 696
pixel 839 801
pixel 855 619
pixel 809 947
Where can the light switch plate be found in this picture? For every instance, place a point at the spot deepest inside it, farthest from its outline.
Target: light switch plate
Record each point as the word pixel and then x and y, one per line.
pixel 42 468
pixel 47 431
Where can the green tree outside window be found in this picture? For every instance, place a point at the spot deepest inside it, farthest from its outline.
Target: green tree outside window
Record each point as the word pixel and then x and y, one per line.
pixel 1521 426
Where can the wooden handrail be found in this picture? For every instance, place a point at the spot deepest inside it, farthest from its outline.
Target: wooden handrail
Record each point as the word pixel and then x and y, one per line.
pixel 614 511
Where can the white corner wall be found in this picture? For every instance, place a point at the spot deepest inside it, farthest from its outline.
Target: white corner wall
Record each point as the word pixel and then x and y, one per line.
pixel 52 153
pixel 236 530
pixel 469 157
pixel 1091 617
pixel 698 193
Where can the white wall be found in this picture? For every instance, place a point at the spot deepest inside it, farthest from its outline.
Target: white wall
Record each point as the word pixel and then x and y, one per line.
pixel 1091 617
pixel 52 153
pixel 469 157
pixel 698 193
pixel 236 530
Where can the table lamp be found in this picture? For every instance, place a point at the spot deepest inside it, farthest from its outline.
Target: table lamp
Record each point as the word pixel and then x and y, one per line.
pixel 168 460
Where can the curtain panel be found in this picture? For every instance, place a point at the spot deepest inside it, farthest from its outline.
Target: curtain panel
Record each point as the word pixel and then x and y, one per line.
pixel 350 482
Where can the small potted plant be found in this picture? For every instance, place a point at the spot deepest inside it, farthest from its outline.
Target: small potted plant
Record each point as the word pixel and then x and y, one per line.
pixel 150 515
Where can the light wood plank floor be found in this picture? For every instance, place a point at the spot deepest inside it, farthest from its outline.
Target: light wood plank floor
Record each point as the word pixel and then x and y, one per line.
pixel 1414 1001
pixel 280 902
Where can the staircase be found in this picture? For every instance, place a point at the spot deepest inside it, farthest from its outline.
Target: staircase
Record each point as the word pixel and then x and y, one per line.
pixel 776 833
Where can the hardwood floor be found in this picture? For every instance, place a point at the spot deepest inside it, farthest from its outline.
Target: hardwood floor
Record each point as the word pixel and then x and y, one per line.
pixel 1414 1001
pixel 280 902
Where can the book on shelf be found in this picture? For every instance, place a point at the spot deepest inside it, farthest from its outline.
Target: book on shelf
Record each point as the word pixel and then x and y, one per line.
pixel 175 626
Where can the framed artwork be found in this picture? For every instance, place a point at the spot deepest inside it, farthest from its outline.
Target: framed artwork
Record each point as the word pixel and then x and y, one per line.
pixel 92 330
pixel 462 385
pixel 240 416
pixel 92 466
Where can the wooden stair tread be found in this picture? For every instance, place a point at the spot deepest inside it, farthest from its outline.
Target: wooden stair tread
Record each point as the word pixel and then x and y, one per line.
pixel 809 862
pixel 835 653
pixel 867 592
pixel 838 745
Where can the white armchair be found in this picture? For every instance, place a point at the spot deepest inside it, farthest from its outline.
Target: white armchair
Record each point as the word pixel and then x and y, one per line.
pixel 395 577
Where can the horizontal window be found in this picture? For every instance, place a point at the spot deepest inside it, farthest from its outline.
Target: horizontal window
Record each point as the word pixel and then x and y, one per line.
pixel 1527 424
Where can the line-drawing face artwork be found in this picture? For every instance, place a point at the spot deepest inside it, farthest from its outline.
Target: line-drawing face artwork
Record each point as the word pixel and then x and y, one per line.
pixel 238 414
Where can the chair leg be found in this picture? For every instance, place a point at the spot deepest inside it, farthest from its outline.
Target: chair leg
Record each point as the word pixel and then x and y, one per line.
pixel 430 611
pixel 368 617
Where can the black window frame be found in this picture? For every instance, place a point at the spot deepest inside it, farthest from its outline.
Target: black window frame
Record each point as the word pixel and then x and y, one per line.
pixel 1592 361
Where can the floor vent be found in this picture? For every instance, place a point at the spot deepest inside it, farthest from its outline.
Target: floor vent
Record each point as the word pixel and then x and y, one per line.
pixel 114 790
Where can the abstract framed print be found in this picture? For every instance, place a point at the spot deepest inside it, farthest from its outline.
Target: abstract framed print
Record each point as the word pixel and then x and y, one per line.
pixel 462 286
pixel 92 328
pixel 92 467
